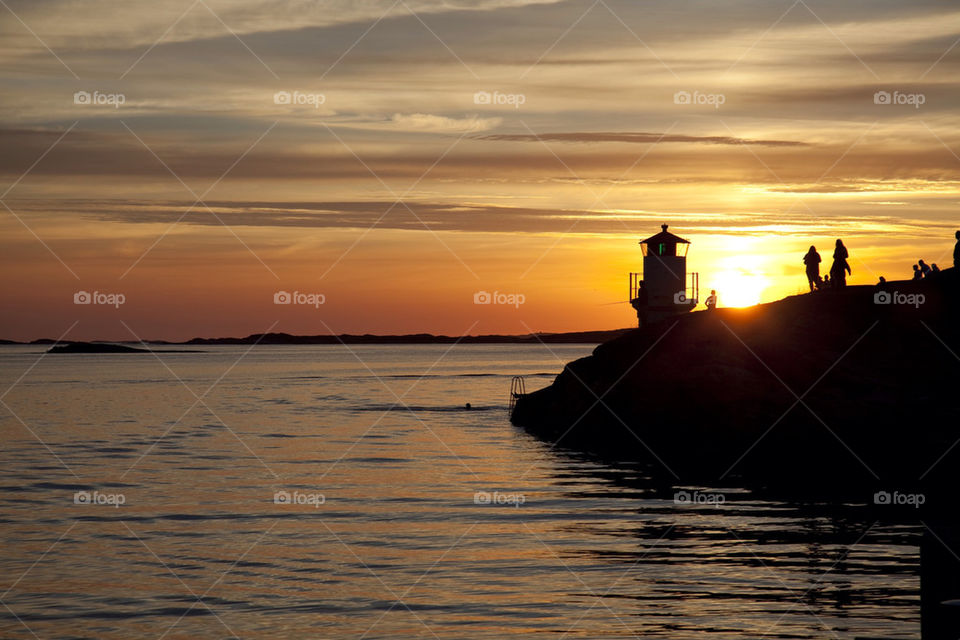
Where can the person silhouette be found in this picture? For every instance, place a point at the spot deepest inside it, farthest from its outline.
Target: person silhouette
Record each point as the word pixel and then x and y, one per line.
pixel 934 269
pixel 924 268
pixel 840 267
pixel 812 260
pixel 640 304
pixel 956 251
pixel 826 281
pixel 711 300
pixel 917 274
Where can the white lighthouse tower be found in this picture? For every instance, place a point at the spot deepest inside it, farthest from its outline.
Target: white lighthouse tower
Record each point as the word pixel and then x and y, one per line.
pixel 665 289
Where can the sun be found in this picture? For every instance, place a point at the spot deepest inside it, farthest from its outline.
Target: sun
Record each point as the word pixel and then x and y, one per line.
pixel 736 288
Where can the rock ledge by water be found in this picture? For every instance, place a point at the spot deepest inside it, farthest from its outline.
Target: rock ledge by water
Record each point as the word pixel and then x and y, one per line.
pixel 819 388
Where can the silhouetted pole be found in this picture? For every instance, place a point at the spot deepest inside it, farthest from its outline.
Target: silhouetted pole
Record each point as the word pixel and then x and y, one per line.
pixel 940 581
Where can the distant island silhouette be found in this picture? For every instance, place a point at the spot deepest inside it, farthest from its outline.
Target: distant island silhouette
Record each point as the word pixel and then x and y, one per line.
pixel 108 347
pixel 419 338
pixel 94 347
pixel 121 346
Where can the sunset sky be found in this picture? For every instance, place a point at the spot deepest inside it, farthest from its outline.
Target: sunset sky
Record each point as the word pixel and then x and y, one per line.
pixel 419 152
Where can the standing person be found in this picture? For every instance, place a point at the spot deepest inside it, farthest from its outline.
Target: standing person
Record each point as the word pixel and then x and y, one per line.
pixel 956 251
pixel 840 267
pixel 924 268
pixel 812 260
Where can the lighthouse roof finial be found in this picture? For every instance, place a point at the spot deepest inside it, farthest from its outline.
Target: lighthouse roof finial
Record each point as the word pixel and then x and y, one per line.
pixel 665 237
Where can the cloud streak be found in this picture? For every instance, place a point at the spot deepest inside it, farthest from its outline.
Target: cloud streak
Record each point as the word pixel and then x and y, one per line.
pixel 472 218
pixel 636 138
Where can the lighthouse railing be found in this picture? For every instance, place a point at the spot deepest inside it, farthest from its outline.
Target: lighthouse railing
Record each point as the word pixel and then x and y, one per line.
pixel 691 287
pixel 635 280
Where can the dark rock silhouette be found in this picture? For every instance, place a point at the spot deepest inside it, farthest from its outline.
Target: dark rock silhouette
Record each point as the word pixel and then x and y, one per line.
pixel 715 395
pixel 108 347
pixel 94 347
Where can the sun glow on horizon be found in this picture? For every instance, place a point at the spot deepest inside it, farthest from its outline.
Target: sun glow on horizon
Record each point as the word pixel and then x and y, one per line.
pixel 741 274
pixel 738 288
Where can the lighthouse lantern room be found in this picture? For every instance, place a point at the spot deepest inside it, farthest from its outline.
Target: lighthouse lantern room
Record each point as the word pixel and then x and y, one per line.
pixel 665 288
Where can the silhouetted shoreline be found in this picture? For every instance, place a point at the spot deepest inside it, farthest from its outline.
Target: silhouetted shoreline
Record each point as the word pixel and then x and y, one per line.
pixel 828 390
pixel 108 347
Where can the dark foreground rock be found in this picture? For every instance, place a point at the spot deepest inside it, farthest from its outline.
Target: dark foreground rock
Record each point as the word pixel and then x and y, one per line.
pixel 811 390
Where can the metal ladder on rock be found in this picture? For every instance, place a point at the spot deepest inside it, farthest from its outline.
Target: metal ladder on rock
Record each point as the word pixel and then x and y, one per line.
pixel 518 388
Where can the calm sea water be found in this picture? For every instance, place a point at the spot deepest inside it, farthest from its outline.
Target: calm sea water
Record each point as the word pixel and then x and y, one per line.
pixel 326 492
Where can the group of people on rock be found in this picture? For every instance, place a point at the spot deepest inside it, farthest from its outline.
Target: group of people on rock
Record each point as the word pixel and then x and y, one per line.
pixel 839 270
pixel 923 270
